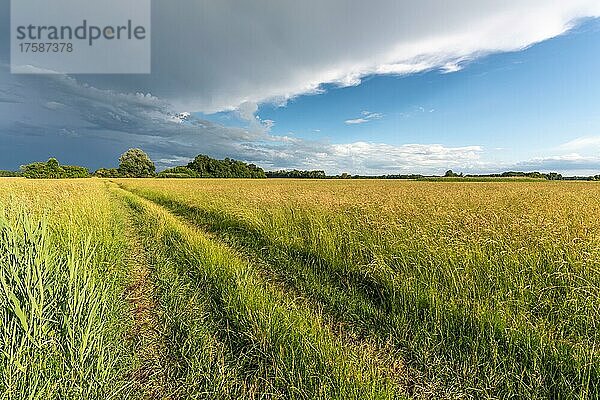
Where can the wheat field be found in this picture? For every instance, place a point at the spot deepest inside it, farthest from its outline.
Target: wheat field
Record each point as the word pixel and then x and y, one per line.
pixel 299 289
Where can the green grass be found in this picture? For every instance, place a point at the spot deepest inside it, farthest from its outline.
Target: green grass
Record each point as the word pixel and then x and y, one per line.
pixel 299 289
pixel 230 333
pixel 487 296
pixel 437 336
pixel 61 307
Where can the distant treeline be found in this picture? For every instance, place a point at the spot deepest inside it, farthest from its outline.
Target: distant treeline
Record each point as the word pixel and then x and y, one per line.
pixel 552 176
pixel 53 170
pixel 8 174
pixel 297 174
pixel 399 176
pixel 505 176
pixel 205 167
pixel 135 163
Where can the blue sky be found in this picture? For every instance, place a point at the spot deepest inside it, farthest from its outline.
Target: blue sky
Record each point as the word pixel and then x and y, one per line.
pixel 422 86
pixel 516 105
pixel 544 95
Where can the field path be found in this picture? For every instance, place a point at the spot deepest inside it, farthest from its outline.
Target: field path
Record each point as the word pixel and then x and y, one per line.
pixel 150 375
pixel 385 363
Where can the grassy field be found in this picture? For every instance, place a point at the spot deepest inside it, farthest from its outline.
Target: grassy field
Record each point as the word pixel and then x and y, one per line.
pixel 62 276
pixel 299 289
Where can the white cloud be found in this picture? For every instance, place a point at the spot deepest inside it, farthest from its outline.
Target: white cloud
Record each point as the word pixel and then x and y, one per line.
pixel 247 110
pixel 580 156
pixel 268 123
pixel 366 117
pixel 383 158
pixel 180 118
pixel 357 121
pixel 586 143
pixel 370 158
pixel 569 164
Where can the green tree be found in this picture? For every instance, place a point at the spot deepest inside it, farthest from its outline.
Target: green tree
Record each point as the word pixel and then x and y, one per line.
pixel 451 174
pixel 178 172
pixel 134 163
pixel 206 167
pixel 107 173
pixel 6 174
pixel 53 170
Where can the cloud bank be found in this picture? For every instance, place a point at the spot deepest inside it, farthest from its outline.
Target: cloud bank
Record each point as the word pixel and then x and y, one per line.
pixel 215 55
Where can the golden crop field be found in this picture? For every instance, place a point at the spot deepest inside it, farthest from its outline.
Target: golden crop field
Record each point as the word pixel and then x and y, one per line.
pixel 299 289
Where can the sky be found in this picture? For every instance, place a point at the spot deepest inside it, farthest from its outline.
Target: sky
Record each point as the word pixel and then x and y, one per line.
pixel 379 87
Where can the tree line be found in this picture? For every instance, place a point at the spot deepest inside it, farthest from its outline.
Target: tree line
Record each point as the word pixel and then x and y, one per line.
pixel 53 170
pixel 296 174
pixel 206 167
pixel 135 163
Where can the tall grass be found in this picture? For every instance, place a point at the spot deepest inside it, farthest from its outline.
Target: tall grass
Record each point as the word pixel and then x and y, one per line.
pixel 63 316
pixel 230 333
pixel 300 289
pixel 484 289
